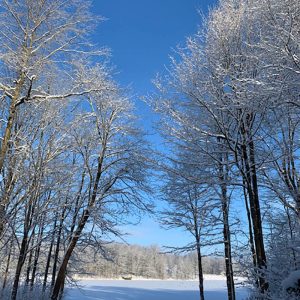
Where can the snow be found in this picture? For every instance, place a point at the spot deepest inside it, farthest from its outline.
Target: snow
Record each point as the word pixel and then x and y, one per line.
pixel 215 289
pixel 292 281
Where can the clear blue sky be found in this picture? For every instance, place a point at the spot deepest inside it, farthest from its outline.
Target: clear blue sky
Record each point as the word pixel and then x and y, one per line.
pixel 142 35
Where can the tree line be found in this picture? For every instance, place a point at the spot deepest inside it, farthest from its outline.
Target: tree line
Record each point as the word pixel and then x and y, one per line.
pixel 145 262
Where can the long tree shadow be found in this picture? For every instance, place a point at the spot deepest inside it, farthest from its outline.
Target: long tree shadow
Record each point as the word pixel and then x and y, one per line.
pixel 125 293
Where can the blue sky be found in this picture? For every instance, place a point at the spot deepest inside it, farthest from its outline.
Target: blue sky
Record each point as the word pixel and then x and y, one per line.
pixel 142 35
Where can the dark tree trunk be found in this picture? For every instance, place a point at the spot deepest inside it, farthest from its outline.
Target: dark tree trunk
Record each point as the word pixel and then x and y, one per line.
pixel 77 206
pixel 2 216
pixel 20 263
pixel 250 179
pixel 250 231
pixel 227 251
pixel 223 177
pixel 200 270
pixel 291 230
pixel 56 254
pixel 23 249
pixel 257 223
pixel 49 255
pixel 37 255
pixel 197 234
pixel 29 262
pixel 5 276
pixel 6 141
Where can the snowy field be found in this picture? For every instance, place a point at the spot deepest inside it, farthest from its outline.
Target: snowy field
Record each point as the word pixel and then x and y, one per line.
pixel 150 290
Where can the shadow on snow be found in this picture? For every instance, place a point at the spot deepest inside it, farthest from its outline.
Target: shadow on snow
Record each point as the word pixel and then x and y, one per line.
pixel 125 293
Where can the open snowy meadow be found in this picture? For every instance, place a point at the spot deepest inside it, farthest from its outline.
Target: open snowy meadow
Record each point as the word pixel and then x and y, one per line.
pixel 215 289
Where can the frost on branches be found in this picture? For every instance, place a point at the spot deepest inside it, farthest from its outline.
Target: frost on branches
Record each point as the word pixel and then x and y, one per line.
pixel 75 166
pixel 229 109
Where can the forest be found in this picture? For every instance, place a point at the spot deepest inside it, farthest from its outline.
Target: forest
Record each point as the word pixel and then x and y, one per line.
pixel 76 164
pixel 134 261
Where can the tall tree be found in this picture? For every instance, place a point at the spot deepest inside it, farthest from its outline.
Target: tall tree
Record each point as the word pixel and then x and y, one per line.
pixel 112 153
pixel 39 40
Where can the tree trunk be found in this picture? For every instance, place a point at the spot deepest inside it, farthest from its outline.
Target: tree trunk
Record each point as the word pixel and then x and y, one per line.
pixel 250 178
pixel 6 140
pixel 227 251
pixel 257 223
pixel 30 259
pixel 56 254
pixel 23 249
pixel 5 276
pixel 59 282
pixel 77 206
pixel 37 255
pixel 200 270
pixel 223 176
pixel 250 231
pixel 20 263
pixel 49 255
pixel 291 237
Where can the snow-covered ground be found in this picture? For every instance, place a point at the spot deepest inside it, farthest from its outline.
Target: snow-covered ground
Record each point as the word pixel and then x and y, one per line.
pixel 215 289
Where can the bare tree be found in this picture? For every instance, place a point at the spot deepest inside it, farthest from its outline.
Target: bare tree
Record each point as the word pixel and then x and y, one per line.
pixel 190 206
pixel 40 39
pixel 111 152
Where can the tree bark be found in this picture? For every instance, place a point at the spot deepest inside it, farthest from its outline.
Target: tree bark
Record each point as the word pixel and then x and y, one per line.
pixel 23 249
pixel 6 140
pixel 257 223
pixel 49 255
pixel 37 254
pixel 227 251
pixel 250 178
pixel 29 263
pixel 250 231
pixel 56 254
pixel 20 263
pixel 5 276
pixel 200 269
pixel 223 175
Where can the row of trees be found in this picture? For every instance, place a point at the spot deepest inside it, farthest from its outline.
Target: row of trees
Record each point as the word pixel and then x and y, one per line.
pixel 71 156
pixel 146 262
pixel 229 108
